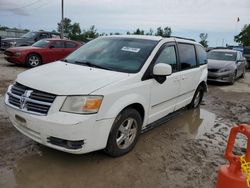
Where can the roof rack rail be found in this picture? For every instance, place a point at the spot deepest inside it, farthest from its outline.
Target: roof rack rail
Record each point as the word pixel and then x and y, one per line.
pixel 182 38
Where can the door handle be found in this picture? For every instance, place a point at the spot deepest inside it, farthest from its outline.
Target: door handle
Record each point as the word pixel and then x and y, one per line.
pixel 183 77
pixel 177 79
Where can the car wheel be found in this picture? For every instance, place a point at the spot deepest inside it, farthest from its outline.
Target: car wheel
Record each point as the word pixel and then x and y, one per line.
pixel 233 78
pixel 243 73
pixel 197 98
pixel 124 133
pixel 33 60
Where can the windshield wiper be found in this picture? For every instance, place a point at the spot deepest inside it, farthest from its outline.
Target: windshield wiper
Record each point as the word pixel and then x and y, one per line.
pixel 90 64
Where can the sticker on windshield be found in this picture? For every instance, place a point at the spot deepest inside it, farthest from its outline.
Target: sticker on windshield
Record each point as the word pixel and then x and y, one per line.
pixel 228 54
pixel 129 49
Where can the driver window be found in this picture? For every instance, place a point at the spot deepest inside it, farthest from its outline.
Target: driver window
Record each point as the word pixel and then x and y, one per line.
pixel 168 56
pixel 43 36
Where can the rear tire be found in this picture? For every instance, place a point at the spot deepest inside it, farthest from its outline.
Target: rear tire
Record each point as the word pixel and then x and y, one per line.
pixel 33 60
pixel 124 133
pixel 198 96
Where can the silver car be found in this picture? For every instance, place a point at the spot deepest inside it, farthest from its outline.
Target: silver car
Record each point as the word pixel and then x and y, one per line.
pixel 225 65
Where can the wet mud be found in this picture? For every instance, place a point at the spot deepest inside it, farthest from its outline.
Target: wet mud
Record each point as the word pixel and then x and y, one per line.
pixel 184 152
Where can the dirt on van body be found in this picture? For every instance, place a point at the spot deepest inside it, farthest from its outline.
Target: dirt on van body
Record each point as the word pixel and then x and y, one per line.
pixel 184 152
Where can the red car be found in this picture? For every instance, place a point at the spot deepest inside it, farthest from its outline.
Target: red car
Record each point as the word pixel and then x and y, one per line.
pixel 43 51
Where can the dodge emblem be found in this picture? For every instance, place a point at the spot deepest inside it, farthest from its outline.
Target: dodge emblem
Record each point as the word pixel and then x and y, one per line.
pixel 24 97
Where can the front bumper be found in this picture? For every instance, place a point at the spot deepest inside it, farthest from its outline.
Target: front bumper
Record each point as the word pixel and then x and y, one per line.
pixel 72 127
pixel 220 76
pixel 14 59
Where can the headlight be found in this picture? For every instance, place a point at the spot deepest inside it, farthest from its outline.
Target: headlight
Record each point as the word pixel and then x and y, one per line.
pixel 13 43
pixel 82 104
pixel 18 54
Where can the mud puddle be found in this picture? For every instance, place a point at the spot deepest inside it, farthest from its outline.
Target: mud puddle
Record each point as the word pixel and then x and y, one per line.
pixel 161 156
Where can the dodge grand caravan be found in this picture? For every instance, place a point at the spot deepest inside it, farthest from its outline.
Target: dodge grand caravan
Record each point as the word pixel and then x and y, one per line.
pixel 103 95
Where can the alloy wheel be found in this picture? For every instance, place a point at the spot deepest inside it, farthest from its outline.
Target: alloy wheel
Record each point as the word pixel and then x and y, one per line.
pixel 126 133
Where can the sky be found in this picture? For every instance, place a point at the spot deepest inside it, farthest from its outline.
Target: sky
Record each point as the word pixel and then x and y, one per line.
pixel 187 18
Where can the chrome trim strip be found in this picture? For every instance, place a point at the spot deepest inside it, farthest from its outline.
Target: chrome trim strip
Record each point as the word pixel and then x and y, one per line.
pixel 30 100
pixel 21 110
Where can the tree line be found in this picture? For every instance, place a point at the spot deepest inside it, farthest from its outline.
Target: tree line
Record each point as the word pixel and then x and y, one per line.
pixel 73 31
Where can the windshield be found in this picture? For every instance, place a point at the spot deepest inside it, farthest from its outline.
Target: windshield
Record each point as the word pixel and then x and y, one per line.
pixel 29 35
pixel 41 43
pixel 225 56
pixel 118 54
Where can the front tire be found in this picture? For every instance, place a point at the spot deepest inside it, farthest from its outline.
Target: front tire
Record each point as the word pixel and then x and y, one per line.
pixel 197 98
pixel 243 73
pixel 33 60
pixel 124 133
pixel 233 78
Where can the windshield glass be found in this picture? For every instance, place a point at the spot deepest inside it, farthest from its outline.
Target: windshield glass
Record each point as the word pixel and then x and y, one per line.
pixel 225 56
pixel 118 54
pixel 41 43
pixel 29 35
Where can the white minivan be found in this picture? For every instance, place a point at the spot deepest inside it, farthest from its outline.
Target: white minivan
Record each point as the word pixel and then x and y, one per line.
pixel 103 95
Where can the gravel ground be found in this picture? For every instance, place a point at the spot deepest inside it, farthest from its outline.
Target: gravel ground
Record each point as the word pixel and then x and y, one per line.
pixel 184 152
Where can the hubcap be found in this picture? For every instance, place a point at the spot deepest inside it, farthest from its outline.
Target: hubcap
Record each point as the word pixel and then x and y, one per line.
pixel 33 61
pixel 126 133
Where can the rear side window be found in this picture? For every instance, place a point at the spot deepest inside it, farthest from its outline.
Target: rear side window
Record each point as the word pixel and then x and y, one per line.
pixel 70 45
pixel 187 56
pixel 43 36
pixel 58 44
pixel 202 55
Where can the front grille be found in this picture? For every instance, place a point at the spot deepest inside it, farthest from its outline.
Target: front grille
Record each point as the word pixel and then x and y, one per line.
pixel 213 70
pixel 8 53
pixel 30 100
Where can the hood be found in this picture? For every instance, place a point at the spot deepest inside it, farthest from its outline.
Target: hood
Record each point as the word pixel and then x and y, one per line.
pixel 219 64
pixel 62 78
pixel 22 48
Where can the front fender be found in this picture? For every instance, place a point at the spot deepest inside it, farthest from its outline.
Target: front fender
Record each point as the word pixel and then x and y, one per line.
pixel 112 107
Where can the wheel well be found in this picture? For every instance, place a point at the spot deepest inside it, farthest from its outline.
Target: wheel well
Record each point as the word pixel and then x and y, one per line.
pixel 35 54
pixel 203 85
pixel 139 108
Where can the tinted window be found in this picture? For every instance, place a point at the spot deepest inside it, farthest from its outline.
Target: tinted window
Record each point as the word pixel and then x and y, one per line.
pixel 43 36
pixel 58 44
pixel 168 56
pixel 202 55
pixel 114 53
pixel 41 43
pixel 220 55
pixel 187 56
pixel 70 45
pixel 29 35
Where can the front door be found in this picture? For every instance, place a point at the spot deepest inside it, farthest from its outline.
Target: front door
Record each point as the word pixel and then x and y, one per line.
pixel 163 96
pixel 55 52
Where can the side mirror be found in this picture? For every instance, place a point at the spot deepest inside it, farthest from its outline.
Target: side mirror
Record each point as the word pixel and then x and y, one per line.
pixel 162 69
pixel 239 61
pixel 51 46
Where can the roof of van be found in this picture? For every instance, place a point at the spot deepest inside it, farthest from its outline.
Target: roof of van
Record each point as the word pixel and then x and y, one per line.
pixel 223 50
pixel 150 37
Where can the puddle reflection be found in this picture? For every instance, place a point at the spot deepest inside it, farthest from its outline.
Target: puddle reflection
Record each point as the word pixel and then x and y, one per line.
pixel 57 169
